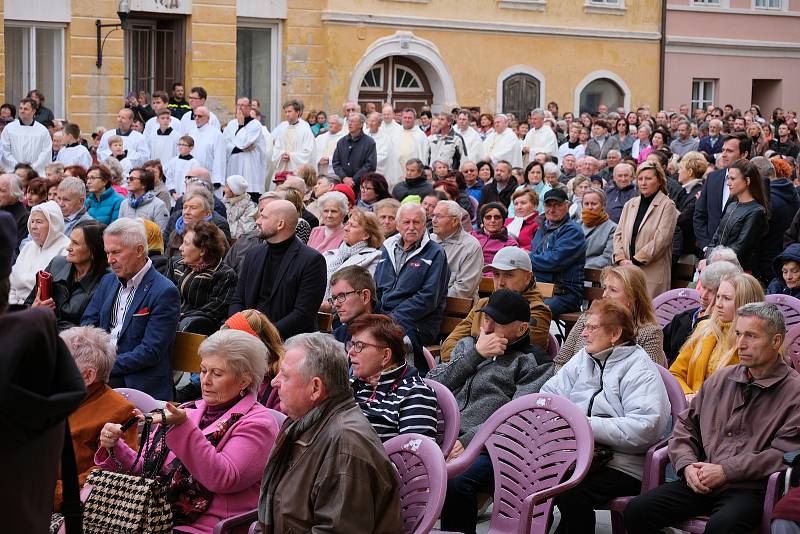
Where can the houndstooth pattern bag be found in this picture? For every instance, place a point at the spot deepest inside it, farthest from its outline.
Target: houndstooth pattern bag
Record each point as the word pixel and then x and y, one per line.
pixel 123 503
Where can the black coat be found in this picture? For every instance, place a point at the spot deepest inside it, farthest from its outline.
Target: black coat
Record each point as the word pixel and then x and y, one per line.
pixel 489 192
pixel 20 214
pixel 784 204
pixel 742 227
pixel 354 157
pixel 296 293
pixel 677 331
pixel 708 209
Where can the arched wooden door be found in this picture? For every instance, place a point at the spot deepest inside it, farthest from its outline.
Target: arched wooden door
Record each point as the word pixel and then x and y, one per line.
pixel 397 80
pixel 520 95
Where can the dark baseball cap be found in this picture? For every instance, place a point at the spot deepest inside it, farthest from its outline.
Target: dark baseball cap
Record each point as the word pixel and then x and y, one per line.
pixel 506 306
pixel 555 194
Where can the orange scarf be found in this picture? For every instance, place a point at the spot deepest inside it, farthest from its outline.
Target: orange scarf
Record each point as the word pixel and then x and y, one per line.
pixel 593 218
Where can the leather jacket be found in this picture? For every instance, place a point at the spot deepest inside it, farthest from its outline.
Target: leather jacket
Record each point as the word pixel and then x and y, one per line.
pixel 742 226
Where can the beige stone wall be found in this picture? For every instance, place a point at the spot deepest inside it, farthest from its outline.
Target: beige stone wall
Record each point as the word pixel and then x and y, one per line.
pixel 307 53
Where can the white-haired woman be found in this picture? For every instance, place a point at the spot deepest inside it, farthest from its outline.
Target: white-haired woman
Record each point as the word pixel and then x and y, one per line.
pixel 219 444
pixel 333 207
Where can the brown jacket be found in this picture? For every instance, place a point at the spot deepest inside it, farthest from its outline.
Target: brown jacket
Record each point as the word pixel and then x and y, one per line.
pixel 744 427
pixel 471 325
pixel 339 480
pixel 653 241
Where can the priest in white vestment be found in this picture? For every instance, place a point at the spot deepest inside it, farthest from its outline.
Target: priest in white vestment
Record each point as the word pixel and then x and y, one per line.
pixel 472 139
pixel 388 125
pixel 540 137
pixel 209 147
pixel 246 149
pixel 294 141
pixel 410 142
pixel 502 144
pixel 26 141
pixel 326 145
pixel 132 141
pixel 387 163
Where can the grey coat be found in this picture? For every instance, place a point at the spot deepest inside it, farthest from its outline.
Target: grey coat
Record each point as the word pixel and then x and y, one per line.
pixel 152 210
pixel 599 244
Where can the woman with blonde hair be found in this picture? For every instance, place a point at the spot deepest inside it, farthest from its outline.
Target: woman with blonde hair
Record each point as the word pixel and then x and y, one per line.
pixel 712 345
pixel 625 284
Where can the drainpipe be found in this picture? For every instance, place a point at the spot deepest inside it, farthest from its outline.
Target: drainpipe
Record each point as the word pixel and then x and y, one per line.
pixel 663 54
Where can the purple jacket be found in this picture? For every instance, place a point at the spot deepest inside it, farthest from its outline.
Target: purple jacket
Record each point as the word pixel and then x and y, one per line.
pixel 232 471
pixel 491 245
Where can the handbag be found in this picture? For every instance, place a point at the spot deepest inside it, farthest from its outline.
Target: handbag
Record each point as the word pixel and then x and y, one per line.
pixel 124 503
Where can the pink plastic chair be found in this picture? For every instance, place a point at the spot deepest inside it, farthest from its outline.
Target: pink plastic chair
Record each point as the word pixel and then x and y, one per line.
pixel 670 303
pixel 448 417
pixel 140 399
pixel 423 480
pixel 540 445
pixel 429 358
pixel 552 346
pixel 789 306
pixel 791 346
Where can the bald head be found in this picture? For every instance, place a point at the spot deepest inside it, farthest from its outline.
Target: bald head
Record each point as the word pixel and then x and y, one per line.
pixel 202 115
pixel 388 113
pixel 277 221
pixel 124 119
pixel 199 172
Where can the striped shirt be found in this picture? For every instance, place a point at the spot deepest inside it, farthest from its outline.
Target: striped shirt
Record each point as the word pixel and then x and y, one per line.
pixel 399 404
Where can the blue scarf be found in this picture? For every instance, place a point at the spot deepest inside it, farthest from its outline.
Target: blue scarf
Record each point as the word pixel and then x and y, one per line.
pixel 180 225
pixel 144 199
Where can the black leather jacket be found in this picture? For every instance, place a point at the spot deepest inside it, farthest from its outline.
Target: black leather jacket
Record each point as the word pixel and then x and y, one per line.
pixel 742 226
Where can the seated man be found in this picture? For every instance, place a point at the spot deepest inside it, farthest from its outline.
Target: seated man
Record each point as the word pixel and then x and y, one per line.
pixel 140 308
pixel 71 197
pixel 352 293
pixel 199 177
pixel 511 269
pixel 485 373
pixel 732 437
pixel 463 251
pixel 558 254
pixel 328 471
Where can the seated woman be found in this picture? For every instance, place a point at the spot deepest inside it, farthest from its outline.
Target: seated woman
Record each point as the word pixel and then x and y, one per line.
pixel 198 205
pixel 626 285
pixel 374 188
pixel 388 390
pixel 240 208
pixel 333 207
pixel 102 201
pixel 94 351
pixel 712 345
pixel 614 382
pixel 36 193
pixel 493 235
pixel 598 229
pixel 219 443
pixel 524 224
pixel 160 190
pixel 155 246
pixel 74 277
pixel 787 266
pixel 142 202
pixel 46 229
pixel 205 283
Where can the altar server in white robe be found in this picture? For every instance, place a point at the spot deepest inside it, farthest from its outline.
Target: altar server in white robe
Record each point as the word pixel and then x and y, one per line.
pixel 159 103
pixel 176 169
pixel 326 145
pixel 387 161
pixel 502 144
pixel 472 139
pixel 133 141
pixel 409 141
pixel 163 140
pixel 294 142
pixel 244 139
pixel 388 125
pixel 197 99
pixel 209 147
pixel 26 141
pixel 73 152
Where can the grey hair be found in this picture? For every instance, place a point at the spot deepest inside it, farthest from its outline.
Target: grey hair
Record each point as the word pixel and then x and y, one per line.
pixel 131 230
pixel 55 167
pixel 92 348
pixel 245 355
pixel 415 161
pixel 407 206
pixel 14 185
pixel 115 167
pixel 537 111
pixel 201 183
pixel 452 207
pixel 202 194
pixel 387 203
pixel 614 152
pixel 325 358
pixel 722 254
pixel 712 275
pixel 767 312
pixel 73 185
pixel 599 192
pixel 335 118
pixel 335 196
pixel 360 116
pixel 624 165
pixel 765 167
pixel 646 127
pixel 552 168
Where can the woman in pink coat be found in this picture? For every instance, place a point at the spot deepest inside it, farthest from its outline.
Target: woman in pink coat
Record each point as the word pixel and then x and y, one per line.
pixel 493 235
pixel 219 445
pixel 333 207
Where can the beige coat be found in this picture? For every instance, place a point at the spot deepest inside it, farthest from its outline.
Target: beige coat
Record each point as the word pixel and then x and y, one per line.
pixel 653 242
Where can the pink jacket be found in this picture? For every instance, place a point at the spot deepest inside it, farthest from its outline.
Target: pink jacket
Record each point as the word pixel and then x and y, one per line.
pixel 232 471
pixel 491 245
pixel 320 243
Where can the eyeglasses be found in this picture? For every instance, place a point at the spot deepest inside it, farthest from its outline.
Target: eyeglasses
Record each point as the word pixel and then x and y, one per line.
pixel 367 188
pixel 437 216
pixel 358 346
pixel 589 327
pixel 492 217
pixel 341 297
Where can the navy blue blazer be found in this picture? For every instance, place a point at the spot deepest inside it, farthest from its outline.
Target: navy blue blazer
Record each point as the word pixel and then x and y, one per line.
pixel 144 347
pixel 705 145
pixel 708 209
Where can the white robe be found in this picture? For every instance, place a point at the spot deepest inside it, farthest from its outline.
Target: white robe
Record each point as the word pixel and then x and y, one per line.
pixel 504 146
pixel 269 141
pixel 409 144
pixel 152 125
pixel 74 155
pixel 542 140
pixel 175 173
pixel 474 144
pixel 188 123
pixel 209 149
pixel 391 128
pixel 26 144
pixel 251 164
pixel 134 143
pixel 325 147
pixel 163 147
pixel 387 160
pixel 298 141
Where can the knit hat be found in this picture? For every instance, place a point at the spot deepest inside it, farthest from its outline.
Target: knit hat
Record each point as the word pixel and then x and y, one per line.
pixel 155 241
pixel 347 191
pixel 237 184
pixel 8 242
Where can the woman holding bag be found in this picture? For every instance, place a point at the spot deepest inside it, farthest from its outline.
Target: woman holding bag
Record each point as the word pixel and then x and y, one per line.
pixel 217 446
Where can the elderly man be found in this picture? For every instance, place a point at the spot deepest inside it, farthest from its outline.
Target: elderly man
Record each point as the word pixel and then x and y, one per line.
pixel 540 137
pixel 684 142
pixel 325 145
pixel 210 148
pixel 11 196
pixel 558 254
pixel 246 149
pixel 501 187
pixel 294 141
pixel 473 144
pixel 25 141
pixel 140 308
pixel 282 278
pixel 613 158
pixel 712 143
pixel 415 182
pixel 132 141
pixel 485 373
pixel 621 190
pixel 71 195
pixel 447 145
pixel 352 293
pixel 411 280
pixel 355 154
pixel 600 143
pixel 409 141
pixel 328 471
pixel 502 144
pixel 386 162
pixel 197 99
pixel 463 251
pixel 198 177
pixel 732 437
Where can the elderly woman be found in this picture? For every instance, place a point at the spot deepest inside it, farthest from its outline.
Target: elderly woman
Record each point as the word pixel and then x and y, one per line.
pixel 646 227
pixel 524 224
pixel 614 382
pixel 333 206
pixel 74 277
pixel 552 176
pixel 46 229
pixel 388 390
pixel 240 209
pixel 598 229
pixel 642 142
pixel 218 445
pixel 142 202
pixel 94 351
pixel 580 185
pixel 492 233
pixel 102 201
pixel 373 188
pixel 712 345
pixel 198 205
pixel 625 285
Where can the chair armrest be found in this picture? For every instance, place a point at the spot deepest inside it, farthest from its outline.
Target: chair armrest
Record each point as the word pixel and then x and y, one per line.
pixel 541 496
pixel 235 521
pixel 792 458
pixel 655 473
pixel 462 463
pixel 648 460
pixel 771 498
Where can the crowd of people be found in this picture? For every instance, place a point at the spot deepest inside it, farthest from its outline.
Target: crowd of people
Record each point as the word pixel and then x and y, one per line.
pixel 176 222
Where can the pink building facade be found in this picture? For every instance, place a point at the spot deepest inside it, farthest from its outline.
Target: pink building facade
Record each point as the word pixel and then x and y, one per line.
pixel 737 52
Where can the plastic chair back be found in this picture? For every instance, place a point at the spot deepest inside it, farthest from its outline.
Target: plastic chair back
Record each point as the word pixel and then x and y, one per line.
pixel 677 399
pixel 789 306
pixel 791 347
pixel 448 417
pixel 670 303
pixel 552 346
pixel 429 358
pixel 279 417
pixel 140 399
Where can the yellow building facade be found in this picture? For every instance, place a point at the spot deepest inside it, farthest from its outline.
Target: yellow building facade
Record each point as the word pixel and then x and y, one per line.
pixel 496 55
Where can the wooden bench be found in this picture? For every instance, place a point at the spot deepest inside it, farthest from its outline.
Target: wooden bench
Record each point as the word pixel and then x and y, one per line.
pixel 592 291
pixel 682 275
pixel 325 322
pixel 455 311
pixel 486 288
pixel 184 352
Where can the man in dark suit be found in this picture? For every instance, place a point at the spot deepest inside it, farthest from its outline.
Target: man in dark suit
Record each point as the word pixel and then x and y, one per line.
pixel 715 194
pixel 712 143
pixel 283 278
pixel 140 308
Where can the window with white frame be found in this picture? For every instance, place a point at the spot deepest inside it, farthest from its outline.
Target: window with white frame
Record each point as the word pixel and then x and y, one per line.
pixel 702 93
pixel 613 3
pixel 714 3
pixel 609 7
pixel 257 67
pixel 768 4
pixel 35 60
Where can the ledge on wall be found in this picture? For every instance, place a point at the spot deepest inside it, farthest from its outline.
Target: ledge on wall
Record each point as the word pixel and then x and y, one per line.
pixel 604 9
pixel 529 5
